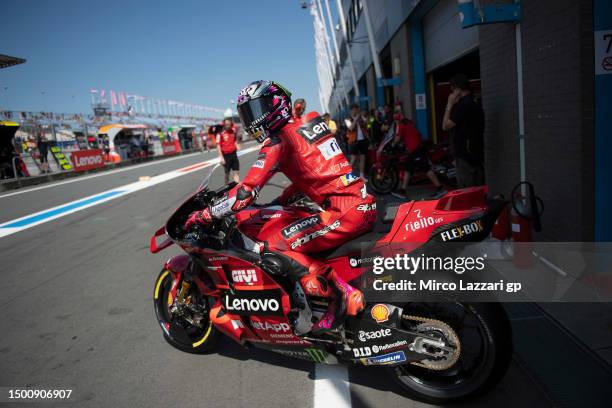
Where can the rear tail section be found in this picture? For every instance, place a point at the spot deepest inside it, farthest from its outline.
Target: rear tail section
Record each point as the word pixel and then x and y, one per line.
pixel 460 215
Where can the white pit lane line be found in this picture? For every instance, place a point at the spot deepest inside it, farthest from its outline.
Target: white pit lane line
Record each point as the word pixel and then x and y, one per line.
pixel 50 214
pixel 331 387
pixel 95 175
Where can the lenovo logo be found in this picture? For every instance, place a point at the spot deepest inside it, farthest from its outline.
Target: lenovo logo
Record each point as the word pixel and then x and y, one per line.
pixel 254 302
pixel 251 305
pixel 314 130
pixel 301 225
pixel 87 159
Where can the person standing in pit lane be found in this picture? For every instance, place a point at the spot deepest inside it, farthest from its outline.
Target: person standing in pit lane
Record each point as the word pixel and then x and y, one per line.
pixel 330 122
pixel 358 139
pixel 464 120
pixel 299 108
pixel 228 150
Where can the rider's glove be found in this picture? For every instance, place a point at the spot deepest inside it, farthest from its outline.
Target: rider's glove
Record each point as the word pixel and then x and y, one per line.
pixel 198 217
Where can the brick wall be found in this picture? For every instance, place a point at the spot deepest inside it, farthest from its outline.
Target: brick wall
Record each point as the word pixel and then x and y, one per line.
pixel 558 88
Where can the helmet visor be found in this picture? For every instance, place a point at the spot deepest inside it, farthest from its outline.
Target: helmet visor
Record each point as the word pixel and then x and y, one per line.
pixel 253 112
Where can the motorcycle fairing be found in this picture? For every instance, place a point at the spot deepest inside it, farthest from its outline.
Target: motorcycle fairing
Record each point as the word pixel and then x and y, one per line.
pixel 416 223
pixel 234 270
pixel 274 330
pixel 257 223
pixel 377 338
pixel 313 354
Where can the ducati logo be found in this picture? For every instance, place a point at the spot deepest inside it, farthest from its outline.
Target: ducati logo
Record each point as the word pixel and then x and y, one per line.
pixel 217 258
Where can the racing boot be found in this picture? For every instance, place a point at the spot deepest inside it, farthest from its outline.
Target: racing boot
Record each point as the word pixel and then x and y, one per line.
pixel 348 302
pixel 351 299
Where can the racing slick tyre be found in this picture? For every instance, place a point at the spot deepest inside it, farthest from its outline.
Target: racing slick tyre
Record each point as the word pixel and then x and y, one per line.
pixel 383 182
pixel 483 338
pixel 185 322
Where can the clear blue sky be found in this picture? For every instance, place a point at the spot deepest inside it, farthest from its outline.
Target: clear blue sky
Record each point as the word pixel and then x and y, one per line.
pixel 195 51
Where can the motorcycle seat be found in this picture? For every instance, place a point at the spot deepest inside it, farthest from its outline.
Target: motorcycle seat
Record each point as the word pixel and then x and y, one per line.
pixel 385 216
pixel 352 247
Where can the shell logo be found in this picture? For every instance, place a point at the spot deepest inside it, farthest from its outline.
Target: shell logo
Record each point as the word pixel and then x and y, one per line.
pixel 380 313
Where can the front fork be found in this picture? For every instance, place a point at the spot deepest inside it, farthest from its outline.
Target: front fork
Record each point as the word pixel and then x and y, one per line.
pixel 177 265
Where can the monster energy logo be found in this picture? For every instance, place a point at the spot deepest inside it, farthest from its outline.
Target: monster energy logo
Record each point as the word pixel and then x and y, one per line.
pixel 310 354
pixel 317 355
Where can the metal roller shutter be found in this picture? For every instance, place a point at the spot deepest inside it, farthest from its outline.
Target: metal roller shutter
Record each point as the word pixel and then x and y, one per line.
pixel 444 38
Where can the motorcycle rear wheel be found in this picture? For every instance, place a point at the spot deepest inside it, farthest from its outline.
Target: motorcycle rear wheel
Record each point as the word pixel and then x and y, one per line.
pixel 485 338
pixel 384 182
pixel 176 331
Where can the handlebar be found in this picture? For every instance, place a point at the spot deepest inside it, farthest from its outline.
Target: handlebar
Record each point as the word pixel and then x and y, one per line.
pixel 216 234
pixel 219 231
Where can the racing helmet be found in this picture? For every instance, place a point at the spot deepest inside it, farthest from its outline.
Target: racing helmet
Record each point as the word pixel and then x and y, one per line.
pixel 264 107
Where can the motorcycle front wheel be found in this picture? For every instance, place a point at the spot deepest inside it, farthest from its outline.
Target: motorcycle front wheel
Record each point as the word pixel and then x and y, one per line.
pixel 184 321
pixel 383 182
pixel 483 335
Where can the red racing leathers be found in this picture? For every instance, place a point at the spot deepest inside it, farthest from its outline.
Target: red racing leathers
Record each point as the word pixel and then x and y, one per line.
pixel 309 155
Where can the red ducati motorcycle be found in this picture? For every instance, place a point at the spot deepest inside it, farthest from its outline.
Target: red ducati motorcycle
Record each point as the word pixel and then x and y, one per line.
pixel 384 176
pixel 227 284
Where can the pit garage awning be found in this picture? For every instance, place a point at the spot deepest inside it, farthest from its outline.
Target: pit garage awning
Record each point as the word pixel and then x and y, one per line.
pixel 107 128
pixel 6 61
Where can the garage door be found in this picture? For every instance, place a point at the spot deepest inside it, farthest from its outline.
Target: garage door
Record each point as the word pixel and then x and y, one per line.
pixel 444 38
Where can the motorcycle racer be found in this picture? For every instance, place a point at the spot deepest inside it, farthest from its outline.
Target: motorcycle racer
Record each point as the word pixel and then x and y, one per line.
pixel 309 155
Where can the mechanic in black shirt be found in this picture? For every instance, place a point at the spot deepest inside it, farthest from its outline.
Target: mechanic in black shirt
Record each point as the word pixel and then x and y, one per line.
pixel 464 119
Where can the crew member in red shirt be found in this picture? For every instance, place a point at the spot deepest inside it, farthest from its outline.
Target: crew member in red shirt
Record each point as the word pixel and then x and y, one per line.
pixel 299 107
pixel 408 135
pixel 227 148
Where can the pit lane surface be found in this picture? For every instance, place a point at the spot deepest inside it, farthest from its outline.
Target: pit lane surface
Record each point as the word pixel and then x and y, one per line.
pixel 77 313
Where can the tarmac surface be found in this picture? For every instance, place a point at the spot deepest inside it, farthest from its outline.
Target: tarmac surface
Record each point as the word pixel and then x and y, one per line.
pixel 77 312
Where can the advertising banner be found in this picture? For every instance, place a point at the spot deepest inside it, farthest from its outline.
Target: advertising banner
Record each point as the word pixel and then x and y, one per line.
pixel 171 147
pixel 87 159
pixel 63 162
